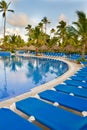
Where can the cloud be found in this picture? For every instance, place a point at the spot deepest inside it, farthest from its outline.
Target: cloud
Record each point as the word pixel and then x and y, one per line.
pixel 18 20
pixel 22 20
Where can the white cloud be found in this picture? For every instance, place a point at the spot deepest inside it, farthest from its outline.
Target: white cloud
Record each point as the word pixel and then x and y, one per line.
pixel 18 20
pixel 22 20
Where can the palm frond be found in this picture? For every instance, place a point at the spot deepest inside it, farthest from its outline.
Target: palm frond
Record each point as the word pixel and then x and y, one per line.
pixel 1 10
pixel 10 10
pixel 3 14
pixel 8 4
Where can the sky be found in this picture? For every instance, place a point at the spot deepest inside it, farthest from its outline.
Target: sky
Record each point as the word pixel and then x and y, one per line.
pixel 32 12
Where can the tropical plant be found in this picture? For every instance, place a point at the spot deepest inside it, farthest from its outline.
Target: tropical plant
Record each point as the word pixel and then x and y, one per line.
pixel 81 25
pixel 52 31
pixel 36 37
pixel 61 32
pixel 45 22
pixel 40 25
pixel 28 28
pixel 4 8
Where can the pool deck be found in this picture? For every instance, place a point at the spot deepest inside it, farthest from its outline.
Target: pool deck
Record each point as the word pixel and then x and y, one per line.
pixel 73 67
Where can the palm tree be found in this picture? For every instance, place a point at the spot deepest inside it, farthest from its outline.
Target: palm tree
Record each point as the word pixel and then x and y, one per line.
pixel 40 25
pixel 62 32
pixel 81 25
pixel 36 37
pixel 45 22
pixel 52 31
pixel 4 8
pixel 28 28
pixel 72 35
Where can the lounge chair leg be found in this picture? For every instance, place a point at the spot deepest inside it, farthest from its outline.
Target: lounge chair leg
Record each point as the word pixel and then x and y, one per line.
pixel 72 94
pixel 56 104
pixel 84 113
pixel 13 107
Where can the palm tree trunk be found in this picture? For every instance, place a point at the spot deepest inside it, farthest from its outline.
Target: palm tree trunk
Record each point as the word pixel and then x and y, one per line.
pixel 45 28
pixel 83 51
pixel 4 25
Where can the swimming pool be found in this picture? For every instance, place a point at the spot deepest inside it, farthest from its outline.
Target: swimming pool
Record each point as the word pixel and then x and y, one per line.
pixel 20 74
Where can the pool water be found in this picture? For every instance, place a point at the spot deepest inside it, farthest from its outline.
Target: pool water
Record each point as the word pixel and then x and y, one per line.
pixel 19 74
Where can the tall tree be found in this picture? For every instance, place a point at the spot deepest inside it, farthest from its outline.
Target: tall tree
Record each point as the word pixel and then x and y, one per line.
pixel 81 25
pixel 4 7
pixel 45 22
pixel 52 31
pixel 61 32
pixel 36 37
pixel 40 25
pixel 28 28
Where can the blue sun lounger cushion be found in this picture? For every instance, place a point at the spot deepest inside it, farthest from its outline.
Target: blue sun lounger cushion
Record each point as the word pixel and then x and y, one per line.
pixel 76 83
pixel 83 62
pixel 80 74
pixel 72 102
pixel 53 117
pixel 79 78
pixel 81 92
pixel 83 69
pixel 12 121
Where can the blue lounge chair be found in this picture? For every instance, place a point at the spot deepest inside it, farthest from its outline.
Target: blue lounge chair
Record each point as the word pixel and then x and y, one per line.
pixel 12 121
pixel 79 78
pixel 79 75
pixel 83 63
pixel 72 102
pixel 5 54
pixel 84 73
pixel 53 117
pixel 83 70
pixel 75 83
pixel 81 92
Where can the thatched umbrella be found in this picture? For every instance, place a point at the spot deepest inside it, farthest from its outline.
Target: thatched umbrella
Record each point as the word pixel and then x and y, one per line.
pixel 31 48
pixel 69 48
pixel 55 47
pixel 23 48
pixel 43 47
pixel 78 49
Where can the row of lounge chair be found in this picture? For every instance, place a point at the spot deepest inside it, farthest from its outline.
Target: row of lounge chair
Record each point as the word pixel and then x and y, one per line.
pixel 46 107
pixel 3 53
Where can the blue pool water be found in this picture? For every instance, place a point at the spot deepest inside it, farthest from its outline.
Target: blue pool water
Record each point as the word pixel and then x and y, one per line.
pixel 19 75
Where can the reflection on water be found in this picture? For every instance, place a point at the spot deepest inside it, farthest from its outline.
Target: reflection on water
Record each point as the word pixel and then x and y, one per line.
pixel 20 75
